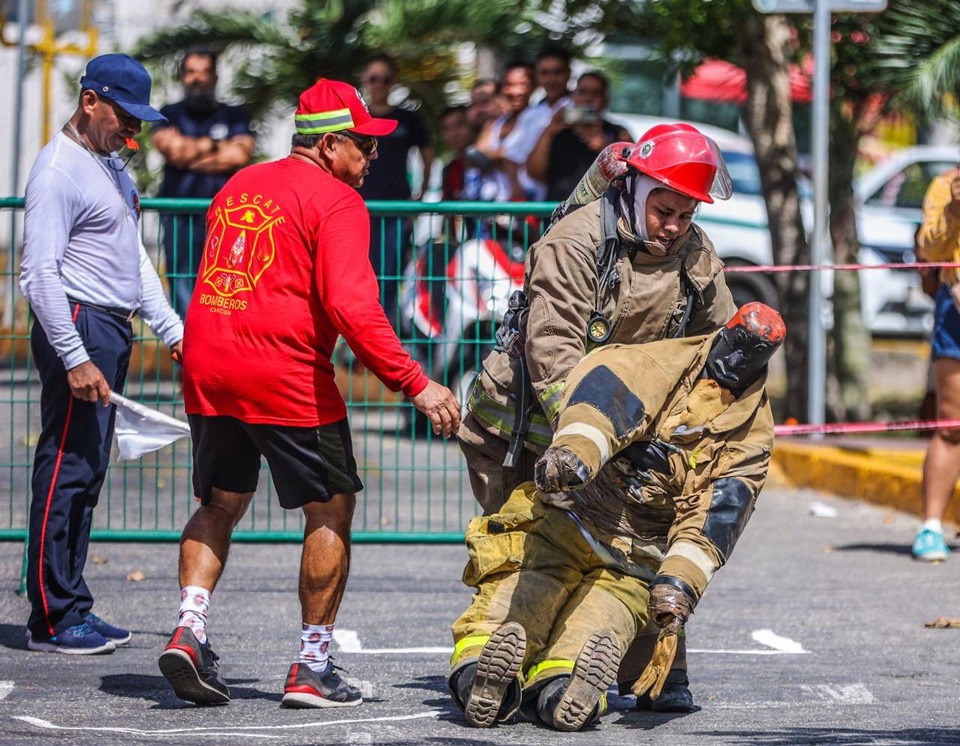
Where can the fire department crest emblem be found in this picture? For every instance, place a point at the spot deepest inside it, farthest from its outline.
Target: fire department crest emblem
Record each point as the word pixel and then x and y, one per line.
pixel 240 247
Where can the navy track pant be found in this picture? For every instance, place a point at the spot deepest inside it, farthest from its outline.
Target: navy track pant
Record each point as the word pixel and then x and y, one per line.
pixel 68 470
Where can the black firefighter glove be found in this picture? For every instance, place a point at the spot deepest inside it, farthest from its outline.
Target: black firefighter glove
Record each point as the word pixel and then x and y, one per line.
pixel 671 604
pixel 560 470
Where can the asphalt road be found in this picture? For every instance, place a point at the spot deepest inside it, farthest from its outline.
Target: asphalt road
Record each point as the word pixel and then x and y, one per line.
pixel 814 634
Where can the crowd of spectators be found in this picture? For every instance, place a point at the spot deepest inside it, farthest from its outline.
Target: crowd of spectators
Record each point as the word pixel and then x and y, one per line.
pixel 525 136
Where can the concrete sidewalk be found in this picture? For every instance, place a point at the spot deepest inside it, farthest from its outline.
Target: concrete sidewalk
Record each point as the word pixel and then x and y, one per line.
pixel 883 471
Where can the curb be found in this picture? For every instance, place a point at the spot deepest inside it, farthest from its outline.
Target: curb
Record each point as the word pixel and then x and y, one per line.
pixel 888 476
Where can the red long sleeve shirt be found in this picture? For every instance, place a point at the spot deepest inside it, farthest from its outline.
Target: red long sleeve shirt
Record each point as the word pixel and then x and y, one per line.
pixel 285 270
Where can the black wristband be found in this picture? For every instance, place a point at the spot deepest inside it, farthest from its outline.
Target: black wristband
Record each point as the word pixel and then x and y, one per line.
pixel 214 145
pixel 676 583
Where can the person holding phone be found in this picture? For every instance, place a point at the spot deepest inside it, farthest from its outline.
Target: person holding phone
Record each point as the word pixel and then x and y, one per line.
pixel 576 133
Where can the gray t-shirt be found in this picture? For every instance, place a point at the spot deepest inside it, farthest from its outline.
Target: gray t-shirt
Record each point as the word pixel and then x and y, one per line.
pixel 82 239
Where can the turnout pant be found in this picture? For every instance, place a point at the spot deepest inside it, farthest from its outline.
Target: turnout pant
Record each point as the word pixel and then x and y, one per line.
pixel 492 484
pixel 531 565
pixel 68 470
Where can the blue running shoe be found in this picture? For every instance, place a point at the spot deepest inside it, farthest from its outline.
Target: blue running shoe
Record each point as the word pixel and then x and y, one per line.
pixel 117 635
pixel 80 639
pixel 929 546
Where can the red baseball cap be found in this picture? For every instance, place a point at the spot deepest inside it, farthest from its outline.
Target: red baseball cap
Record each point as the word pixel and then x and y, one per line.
pixel 333 106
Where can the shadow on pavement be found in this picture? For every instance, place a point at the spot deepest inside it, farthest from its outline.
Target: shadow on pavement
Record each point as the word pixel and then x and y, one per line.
pixel 156 689
pixel 903 549
pixel 443 740
pixel 645 719
pixel 427 683
pixel 850 737
pixel 13 636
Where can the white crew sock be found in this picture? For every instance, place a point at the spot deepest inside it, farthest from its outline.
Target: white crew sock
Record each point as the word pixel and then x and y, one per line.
pixel 933 524
pixel 315 645
pixel 194 605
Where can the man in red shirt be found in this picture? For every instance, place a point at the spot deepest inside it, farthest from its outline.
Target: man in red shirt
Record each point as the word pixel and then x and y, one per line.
pixel 285 270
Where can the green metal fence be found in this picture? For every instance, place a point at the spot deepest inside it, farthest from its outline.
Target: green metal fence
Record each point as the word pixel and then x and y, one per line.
pixel 453 267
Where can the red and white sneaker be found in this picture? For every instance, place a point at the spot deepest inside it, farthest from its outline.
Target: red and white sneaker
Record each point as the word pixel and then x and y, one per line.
pixel 193 670
pixel 306 688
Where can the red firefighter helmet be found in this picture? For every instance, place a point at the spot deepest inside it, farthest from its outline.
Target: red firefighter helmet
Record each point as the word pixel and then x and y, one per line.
pixel 682 158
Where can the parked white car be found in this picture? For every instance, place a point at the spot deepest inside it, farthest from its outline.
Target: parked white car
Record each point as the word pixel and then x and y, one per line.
pixel 888 213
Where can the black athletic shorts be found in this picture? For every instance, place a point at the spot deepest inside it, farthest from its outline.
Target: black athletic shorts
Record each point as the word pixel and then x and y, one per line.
pixel 308 464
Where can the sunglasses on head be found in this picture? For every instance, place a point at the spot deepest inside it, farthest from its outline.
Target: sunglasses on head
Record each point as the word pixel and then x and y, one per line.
pixel 367 145
pixel 377 80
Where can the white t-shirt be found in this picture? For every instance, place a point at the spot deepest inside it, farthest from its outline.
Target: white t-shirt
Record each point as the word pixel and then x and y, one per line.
pixel 82 239
pixel 531 124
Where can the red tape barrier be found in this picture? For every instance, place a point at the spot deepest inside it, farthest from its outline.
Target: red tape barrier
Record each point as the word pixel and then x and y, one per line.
pixel 846 428
pixel 822 267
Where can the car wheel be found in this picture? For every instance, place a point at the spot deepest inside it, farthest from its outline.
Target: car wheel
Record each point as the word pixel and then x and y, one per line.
pixel 747 287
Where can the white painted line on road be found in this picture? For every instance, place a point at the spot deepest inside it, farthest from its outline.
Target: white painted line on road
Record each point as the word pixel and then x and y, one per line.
pixel 740 652
pixel 767 637
pixel 847 694
pixel 782 644
pixel 47 725
pixel 249 731
pixel 349 642
pixel 5 688
pixel 403 651
pixel 347 639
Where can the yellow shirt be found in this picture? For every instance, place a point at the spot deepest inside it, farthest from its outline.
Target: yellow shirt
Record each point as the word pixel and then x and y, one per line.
pixel 939 238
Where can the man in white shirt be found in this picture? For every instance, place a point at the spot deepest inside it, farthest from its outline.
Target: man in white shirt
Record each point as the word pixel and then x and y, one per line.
pixel 86 275
pixel 552 68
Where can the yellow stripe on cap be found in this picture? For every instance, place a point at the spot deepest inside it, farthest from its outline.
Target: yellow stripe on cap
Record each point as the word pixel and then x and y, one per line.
pixel 326 121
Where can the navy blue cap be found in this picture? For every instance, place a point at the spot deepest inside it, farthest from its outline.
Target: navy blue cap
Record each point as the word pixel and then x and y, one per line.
pixel 124 81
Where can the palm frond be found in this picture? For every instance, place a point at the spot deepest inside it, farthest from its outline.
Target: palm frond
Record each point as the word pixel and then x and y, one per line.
pixel 918 55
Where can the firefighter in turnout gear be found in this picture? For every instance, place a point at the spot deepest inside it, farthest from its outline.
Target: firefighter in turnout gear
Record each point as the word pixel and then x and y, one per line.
pixel 628 268
pixel 660 452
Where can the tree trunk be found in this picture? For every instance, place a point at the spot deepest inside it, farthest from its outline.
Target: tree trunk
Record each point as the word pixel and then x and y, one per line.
pixel 851 341
pixel 763 42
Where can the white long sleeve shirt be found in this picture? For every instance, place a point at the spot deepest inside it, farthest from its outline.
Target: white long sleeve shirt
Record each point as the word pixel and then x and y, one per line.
pixel 82 240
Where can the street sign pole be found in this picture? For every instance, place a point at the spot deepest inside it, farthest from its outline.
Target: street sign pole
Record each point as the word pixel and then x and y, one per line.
pixel 820 249
pixel 820 253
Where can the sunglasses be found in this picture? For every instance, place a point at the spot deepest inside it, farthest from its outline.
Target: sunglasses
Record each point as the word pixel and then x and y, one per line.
pixel 366 145
pixel 377 80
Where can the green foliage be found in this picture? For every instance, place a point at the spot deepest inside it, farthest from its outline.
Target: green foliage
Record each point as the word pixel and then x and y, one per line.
pixel 280 57
pixel 691 31
pixel 918 55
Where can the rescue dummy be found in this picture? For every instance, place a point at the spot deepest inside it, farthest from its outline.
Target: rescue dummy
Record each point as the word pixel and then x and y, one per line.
pixel 660 452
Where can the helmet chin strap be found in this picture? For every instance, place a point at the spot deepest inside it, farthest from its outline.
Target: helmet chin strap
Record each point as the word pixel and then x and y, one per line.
pixel 631 200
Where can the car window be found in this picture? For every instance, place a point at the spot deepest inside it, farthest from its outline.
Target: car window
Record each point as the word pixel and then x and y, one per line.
pixel 743 173
pixel 907 187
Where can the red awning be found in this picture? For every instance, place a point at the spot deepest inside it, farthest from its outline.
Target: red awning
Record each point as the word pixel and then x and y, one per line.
pixel 717 80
